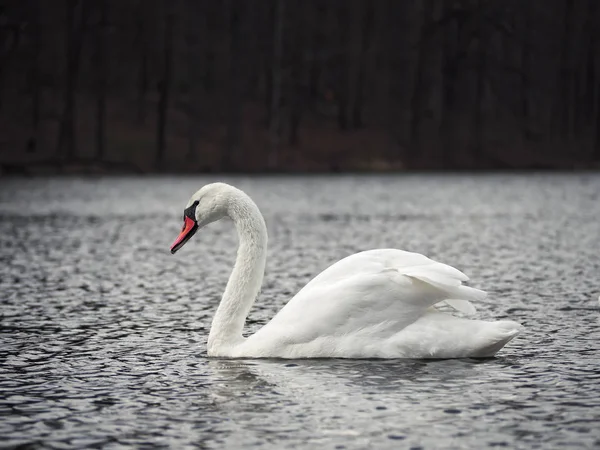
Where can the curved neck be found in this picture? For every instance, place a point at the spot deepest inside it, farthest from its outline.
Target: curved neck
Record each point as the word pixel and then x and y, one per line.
pixel 245 279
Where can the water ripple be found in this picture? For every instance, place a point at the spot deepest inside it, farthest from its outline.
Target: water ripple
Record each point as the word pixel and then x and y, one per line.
pixel 103 332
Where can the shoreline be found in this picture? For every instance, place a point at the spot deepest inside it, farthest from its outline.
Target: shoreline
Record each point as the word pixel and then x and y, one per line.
pixel 89 167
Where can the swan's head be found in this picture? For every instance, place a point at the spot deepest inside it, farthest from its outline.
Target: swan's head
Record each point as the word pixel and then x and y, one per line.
pixel 208 205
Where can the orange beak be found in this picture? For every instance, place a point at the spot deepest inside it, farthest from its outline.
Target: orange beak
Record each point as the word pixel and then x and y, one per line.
pixel 189 228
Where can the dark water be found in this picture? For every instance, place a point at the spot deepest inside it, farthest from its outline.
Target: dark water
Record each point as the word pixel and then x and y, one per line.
pixel 103 332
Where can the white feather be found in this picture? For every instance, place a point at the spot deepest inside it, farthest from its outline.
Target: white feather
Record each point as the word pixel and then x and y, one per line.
pixel 373 304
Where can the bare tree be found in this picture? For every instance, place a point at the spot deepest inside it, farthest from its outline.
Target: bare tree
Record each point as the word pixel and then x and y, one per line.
pixel 418 95
pixel 10 38
pixel 77 13
pixel 480 69
pixel 165 90
pixel 195 37
pixel 277 77
pixel 101 81
pixel 565 80
pixel 362 21
pixel 316 18
pixel 341 66
pixel 450 64
pixel 309 69
pixel 391 34
pixel 586 71
pixel 142 43
pixel 35 77
pixel 235 101
pixel 298 82
pixel 527 26
pixel 594 78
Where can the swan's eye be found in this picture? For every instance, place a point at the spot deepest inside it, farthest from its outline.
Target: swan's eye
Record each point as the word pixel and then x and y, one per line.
pixel 190 211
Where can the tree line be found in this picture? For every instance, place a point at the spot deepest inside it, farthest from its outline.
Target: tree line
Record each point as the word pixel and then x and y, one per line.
pixel 302 84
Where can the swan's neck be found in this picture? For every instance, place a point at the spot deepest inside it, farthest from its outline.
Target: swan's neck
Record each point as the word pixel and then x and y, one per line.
pixel 245 279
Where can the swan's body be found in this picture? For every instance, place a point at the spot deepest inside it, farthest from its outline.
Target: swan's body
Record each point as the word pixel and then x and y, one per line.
pixel 374 304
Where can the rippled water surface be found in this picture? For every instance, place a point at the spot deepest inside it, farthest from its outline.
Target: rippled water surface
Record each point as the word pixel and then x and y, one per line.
pixel 103 332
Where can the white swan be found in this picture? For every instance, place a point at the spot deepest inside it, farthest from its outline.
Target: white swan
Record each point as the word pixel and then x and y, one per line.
pixel 373 304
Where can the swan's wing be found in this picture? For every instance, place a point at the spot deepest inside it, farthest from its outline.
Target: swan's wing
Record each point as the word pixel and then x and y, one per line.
pixel 463 306
pixel 445 277
pixel 383 290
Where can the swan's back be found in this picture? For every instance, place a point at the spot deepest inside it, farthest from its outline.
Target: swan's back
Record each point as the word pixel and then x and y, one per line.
pixel 371 304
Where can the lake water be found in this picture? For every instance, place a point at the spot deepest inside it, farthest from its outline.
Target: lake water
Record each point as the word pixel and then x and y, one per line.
pixel 103 331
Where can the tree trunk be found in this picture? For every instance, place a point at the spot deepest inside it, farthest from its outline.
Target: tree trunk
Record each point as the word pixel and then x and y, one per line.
pixel 277 77
pixel 355 57
pixel 298 79
pixel 9 43
pixel 585 89
pixel 102 74
pixel 268 60
pixel 525 67
pixel 590 82
pixel 165 86
pixel 565 75
pixel 142 87
pixel 319 12
pixel 481 63
pixel 195 38
pixel 478 121
pixel 233 13
pixel 418 96
pixel 208 73
pixel 77 11
pixel 386 104
pixel 594 81
pixel 36 87
pixel 449 75
pixel 596 156
pixel 342 66
pixel 367 14
pixel 596 110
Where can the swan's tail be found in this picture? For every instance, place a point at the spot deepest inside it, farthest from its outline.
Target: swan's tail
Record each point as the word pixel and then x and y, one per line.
pixel 495 336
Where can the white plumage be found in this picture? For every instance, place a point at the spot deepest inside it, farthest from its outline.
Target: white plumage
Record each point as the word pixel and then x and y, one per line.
pixel 373 304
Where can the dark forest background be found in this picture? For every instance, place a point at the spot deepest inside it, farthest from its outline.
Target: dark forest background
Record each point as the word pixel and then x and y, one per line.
pixel 299 85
